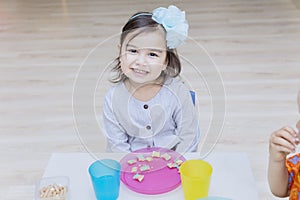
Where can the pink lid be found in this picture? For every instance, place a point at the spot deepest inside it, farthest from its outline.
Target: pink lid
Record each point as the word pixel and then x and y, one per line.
pixel 159 179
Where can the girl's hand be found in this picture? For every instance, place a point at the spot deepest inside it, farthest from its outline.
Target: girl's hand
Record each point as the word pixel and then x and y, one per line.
pixel 282 142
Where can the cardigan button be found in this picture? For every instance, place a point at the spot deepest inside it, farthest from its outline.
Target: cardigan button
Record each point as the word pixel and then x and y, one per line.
pixel 148 127
pixel 146 106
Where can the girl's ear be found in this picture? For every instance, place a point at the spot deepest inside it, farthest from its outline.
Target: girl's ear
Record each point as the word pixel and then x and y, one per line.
pixel 165 66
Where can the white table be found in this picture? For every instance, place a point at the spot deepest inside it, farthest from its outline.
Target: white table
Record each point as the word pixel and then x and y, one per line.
pixel 232 176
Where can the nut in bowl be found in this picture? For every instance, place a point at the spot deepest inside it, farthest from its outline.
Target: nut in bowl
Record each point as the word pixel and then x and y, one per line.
pixel 53 188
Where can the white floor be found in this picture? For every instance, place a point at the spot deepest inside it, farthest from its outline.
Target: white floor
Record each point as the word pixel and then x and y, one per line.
pixel 254 47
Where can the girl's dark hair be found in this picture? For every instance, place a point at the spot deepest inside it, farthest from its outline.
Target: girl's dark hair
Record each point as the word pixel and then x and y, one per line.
pixel 144 22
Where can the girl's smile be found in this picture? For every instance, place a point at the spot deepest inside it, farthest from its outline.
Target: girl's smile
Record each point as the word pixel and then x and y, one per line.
pixel 140 72
pixel 143 58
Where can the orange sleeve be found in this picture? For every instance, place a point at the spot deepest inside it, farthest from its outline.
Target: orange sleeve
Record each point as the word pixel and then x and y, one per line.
pixel 293 167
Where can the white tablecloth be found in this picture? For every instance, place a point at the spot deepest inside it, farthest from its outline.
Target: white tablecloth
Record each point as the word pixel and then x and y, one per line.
pixel 232 176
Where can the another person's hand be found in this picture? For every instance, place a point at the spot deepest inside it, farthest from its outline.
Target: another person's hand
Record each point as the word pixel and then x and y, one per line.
pixel 282 142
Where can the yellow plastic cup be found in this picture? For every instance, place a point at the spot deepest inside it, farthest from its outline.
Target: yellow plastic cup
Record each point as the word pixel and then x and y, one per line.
pixel 195 178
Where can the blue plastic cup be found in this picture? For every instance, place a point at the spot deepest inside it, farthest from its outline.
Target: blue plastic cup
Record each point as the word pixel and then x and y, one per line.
pixel 105 176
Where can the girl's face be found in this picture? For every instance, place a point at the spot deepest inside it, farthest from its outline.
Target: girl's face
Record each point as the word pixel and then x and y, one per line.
pixel 144 57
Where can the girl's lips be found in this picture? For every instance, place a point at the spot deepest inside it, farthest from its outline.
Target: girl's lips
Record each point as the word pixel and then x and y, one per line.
pixel 138 71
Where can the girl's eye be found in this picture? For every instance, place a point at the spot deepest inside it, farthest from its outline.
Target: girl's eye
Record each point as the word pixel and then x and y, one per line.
pixel 153 54
pixel 132 50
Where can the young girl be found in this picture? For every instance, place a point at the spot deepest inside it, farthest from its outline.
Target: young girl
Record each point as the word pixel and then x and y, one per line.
pixel 284 172
pixel 148 106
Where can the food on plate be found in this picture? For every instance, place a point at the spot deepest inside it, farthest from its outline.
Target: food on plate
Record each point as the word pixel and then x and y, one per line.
pixel 166 156
pixel 141 157
pixel 138 177
pixel 175 164
pixel 172 165
pixel 155 154
pixel 149 159
pixel 132 161
pixel 145 168
pixel 151 167
pixel 178 162
pixel 134 169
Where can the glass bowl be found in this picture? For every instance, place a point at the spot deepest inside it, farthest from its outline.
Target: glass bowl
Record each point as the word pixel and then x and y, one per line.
pixel 53 188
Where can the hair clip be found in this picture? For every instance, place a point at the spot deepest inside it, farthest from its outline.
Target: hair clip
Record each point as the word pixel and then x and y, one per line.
pixel 140 14
pixel 175 24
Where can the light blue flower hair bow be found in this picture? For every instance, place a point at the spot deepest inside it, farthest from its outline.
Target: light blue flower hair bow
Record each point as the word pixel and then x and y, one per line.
pixel 175 24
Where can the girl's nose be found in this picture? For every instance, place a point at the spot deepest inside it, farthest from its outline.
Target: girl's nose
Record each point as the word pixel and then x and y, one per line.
pixel 141 59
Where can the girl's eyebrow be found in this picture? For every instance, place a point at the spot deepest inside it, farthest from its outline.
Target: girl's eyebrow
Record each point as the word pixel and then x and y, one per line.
pixel 151 49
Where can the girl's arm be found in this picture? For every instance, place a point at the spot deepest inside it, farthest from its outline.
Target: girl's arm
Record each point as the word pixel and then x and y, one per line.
pixel 187 121
pixel 117 137
pixel 282 142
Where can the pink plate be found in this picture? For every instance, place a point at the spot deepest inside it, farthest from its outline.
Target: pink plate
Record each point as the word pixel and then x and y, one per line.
pixel 159 179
